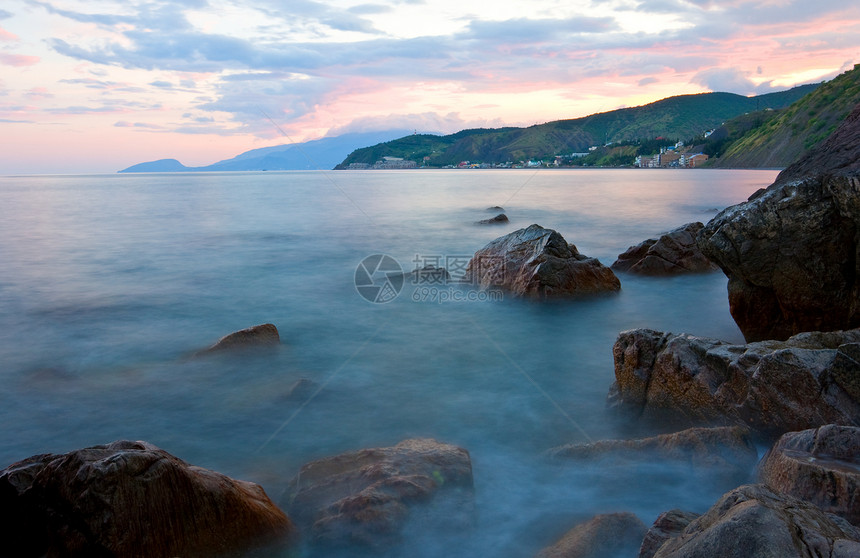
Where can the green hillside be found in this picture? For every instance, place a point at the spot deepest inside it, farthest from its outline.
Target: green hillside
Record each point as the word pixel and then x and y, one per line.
pixel 683 116
pixel 777 139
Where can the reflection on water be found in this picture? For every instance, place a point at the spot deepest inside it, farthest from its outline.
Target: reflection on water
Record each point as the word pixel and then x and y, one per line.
pixel 109 283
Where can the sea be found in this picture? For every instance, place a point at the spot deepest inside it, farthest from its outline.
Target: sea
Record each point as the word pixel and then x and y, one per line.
pixel 109 285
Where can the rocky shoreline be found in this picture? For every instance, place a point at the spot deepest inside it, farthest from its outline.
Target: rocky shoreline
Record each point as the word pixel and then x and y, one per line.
pixel 792 256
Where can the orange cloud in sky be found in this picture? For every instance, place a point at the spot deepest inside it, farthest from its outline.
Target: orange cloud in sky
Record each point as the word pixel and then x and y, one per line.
pixel 7 36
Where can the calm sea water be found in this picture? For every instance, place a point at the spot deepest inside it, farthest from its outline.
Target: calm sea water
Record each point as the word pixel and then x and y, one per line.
pixel 108 283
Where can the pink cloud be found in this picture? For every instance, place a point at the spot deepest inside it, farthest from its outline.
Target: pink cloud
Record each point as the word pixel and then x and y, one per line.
pixel 18 60
pixel 7 35
pixel 38 93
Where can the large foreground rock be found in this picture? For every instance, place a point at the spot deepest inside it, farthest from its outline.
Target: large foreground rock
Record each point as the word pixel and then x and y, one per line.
pixel 821 466
pixel 726 451
pixel 753 521
pixel 673 253
pixel 773 387
pixel 792 251
pixel 538 262
pixel 363 498
pixel 131 499
pixel 607 535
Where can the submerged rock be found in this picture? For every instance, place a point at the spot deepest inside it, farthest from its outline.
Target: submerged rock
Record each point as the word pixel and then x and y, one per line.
pixel 538 262
pixel 727 451
pixel 363 498
pixel 792 251
pixel 612 534
pixel 668 525
pixel 673 253
pixel 131 499
pixel 821 466
pixel 499 219
pixel 754 521
pixel 773 387
pixel 264 335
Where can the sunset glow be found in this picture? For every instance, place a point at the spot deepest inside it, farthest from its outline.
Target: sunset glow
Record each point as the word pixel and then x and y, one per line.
pixel 98 85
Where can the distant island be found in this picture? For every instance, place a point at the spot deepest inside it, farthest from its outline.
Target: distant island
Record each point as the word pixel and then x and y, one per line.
pixel 323 153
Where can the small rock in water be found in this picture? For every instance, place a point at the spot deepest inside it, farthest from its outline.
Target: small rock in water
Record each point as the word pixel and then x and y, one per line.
pixel 538 262
pixel 673 253
pixel 363 498
pixel 498 219
pixel 495 208
pixel 611 534
pixel 264 335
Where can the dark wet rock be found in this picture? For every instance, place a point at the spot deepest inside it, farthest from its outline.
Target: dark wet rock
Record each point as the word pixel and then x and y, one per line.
pixel 772 387
pixel 612 534
pixel 728 451
pixel 538 262
pixel 131 499
pixel 819 465
pixel 668 525
pixel 754 521
pixel 495 208
pixel 673 253
pixel 792 251
pixel 499 219
pixel 259 336
pixel 363 498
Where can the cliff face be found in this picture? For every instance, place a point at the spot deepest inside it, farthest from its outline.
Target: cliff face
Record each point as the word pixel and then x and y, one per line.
pixel 792 251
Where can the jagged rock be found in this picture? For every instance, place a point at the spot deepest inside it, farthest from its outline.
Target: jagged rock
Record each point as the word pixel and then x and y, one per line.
pixel 673 253
pixel 612 534
pixel 538 262
pixel 772 387
pixel 131 499
pixel 668 525
pixel 821 466
pixel 792 251
pixel 727 450
pixel 499 219
pixel 264 335
pixel 363 498
pixel 754 521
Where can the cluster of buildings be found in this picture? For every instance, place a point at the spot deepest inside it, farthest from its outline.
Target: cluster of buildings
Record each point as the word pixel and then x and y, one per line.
pixel 676 156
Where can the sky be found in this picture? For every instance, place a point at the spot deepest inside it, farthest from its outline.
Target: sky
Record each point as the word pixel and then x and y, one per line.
pixel 99 85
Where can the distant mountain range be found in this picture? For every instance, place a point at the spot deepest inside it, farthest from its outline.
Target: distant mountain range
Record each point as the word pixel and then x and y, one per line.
pixel 681 118
pixel 323 154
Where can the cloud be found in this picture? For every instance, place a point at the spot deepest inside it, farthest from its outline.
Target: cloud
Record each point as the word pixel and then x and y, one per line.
pixel 5 15
pixel 370 9
pixel 730 80
pixel 647 81
pixel 7 35
pixel 18 60
pixel 141 125
pixel 426 123
pixel 38 93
